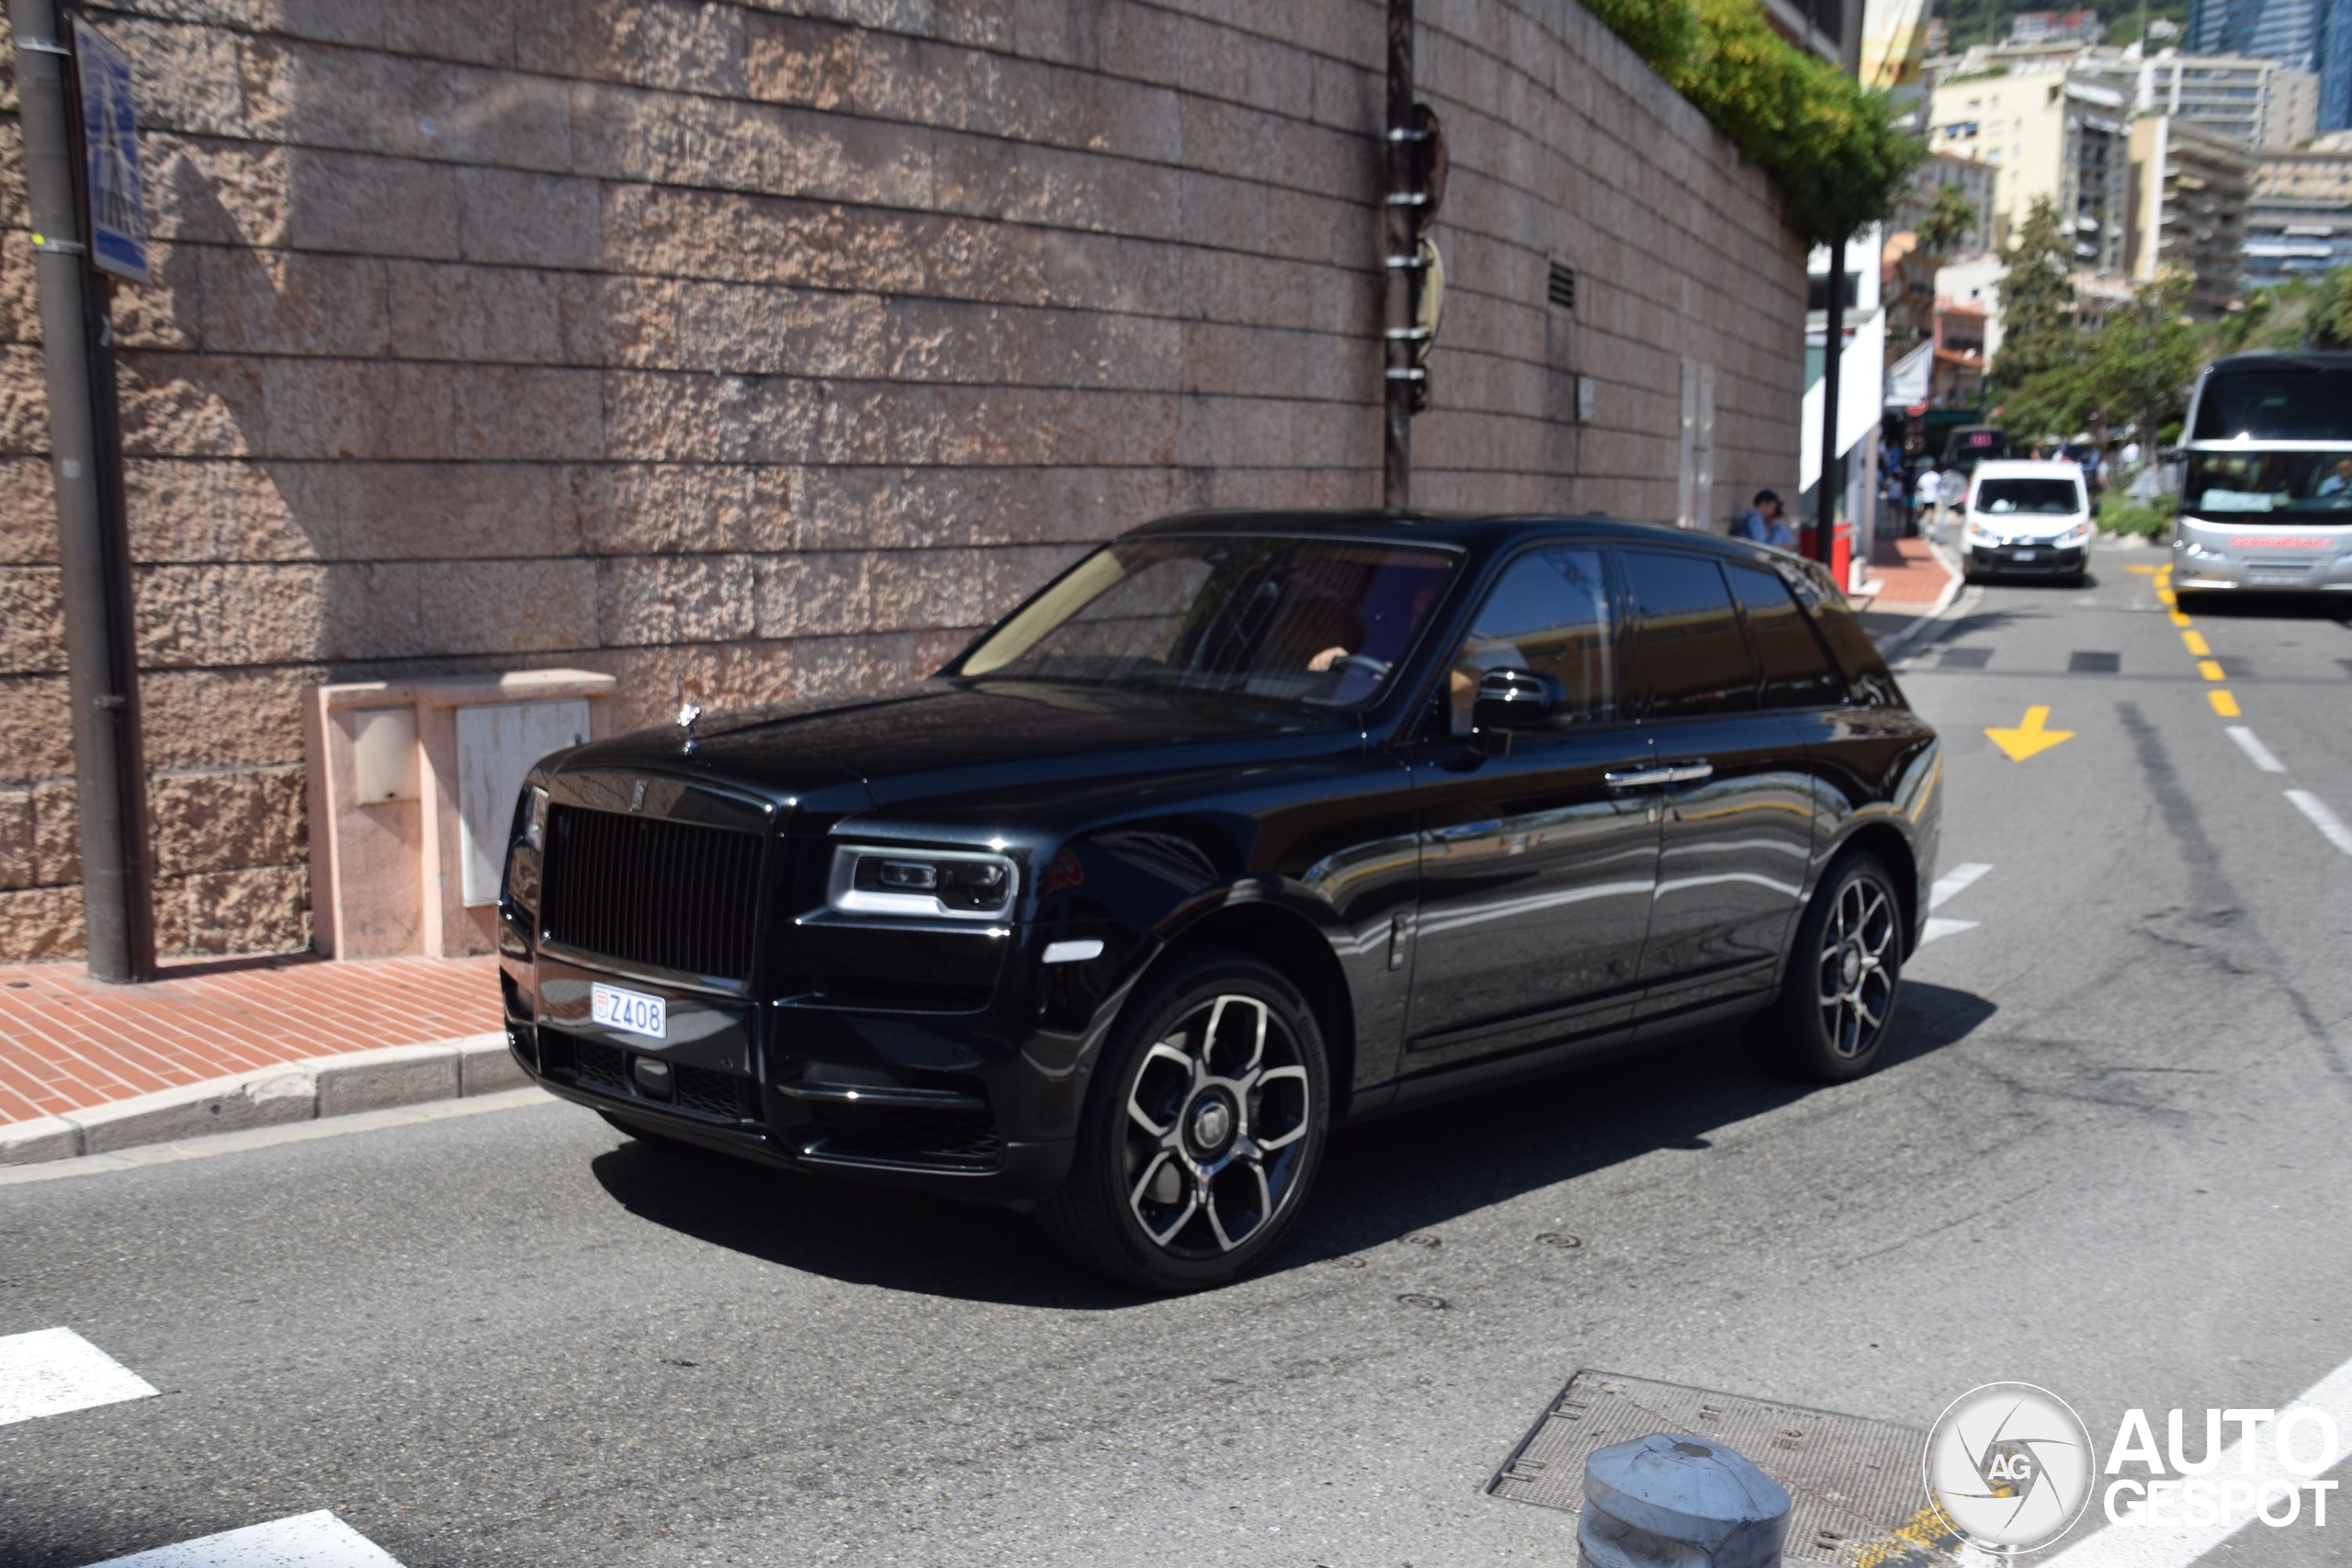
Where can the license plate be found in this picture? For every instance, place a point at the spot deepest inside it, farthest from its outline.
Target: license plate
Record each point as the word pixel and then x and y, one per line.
pixel 631 1011
pixel 2025 555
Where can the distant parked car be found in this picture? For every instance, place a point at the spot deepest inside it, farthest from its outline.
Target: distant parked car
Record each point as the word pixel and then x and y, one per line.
pixel 1246 826
pixel 2032 518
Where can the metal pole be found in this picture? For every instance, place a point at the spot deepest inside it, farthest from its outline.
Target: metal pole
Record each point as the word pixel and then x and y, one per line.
pixel 85 460
pixel 1401 265
pixel 1832 351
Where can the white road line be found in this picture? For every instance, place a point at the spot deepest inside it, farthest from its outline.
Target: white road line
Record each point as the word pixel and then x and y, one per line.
pixel 52 1371
pixel 2330 825
pixel 1937 927
pixel 2170 1546
pixel 2256 753
pixel 305 1541
pixel 1956 880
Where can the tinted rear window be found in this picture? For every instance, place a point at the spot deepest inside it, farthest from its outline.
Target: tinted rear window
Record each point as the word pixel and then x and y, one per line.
pixel 2276 405
pixel 1690 656
pixel 2028 498
pixel 1867 677
pixel 1796 670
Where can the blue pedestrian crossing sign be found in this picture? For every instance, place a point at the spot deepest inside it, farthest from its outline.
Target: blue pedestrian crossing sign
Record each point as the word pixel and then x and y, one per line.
pixel 110 146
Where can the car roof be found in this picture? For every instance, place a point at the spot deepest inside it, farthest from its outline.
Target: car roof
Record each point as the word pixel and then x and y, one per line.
pixel 2028 468
pixel 1479 531
pixel 2284 359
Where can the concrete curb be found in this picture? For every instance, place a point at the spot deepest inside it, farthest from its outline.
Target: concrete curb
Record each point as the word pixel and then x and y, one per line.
pixel 340 1085
pixel 1956 580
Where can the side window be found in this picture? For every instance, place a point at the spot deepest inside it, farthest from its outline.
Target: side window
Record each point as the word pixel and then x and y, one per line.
pixel 1867 681
pixel 1796 671
pixel 1548 613
pixel 1688 655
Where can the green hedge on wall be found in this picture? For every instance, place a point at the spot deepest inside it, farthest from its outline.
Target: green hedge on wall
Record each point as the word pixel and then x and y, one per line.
pixel 1832 148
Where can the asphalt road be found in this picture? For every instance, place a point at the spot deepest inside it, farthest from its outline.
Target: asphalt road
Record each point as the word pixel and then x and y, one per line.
pixel 2108 1156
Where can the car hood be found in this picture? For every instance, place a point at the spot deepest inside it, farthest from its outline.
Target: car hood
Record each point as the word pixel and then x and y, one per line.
pixel 942 741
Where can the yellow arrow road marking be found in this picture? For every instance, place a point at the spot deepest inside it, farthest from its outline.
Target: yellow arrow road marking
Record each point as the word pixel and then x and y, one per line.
pixel 2210 669
pixel 2196 641
pixel 2030 737
pixel 2223 704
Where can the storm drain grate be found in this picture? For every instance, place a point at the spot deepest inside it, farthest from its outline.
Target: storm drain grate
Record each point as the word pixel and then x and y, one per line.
pixel 2087 663
pixel 1855 1493
pixel 1965 658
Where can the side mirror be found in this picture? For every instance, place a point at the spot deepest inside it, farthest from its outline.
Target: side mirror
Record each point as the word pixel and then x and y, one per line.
pixel 1511 700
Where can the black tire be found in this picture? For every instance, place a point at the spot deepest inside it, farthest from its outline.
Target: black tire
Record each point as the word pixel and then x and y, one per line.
pixel 1150 1147
pixel 1803 1034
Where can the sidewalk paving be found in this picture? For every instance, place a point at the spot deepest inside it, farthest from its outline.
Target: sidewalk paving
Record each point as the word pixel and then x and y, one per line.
pixel 69 1042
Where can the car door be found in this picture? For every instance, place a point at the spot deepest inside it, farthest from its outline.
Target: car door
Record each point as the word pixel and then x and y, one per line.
pixel 1737 833
pixel 1537 864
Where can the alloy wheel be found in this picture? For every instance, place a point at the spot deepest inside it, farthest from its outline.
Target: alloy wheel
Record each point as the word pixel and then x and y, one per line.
pixel 1856 977
pixel 1216 1122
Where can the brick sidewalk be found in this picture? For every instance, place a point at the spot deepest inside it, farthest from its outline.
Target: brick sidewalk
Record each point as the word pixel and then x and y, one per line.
pixel 1914 577
pixel 68 1042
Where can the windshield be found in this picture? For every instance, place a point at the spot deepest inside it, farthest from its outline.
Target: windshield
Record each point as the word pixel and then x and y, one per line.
pixel 2305 486
pixel 2281 404
pixel 2029 498
pixel 1314 621
pixel 1969 447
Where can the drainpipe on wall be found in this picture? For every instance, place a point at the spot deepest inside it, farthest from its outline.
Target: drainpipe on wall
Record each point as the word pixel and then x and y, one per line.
pixel 1401 264
pixel 1833 349
pixel 93 543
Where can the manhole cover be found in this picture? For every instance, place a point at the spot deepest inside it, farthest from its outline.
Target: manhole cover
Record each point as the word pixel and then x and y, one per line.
pixel 1856 1499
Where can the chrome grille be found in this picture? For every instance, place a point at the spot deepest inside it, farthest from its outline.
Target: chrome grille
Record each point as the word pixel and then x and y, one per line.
pixel 672 895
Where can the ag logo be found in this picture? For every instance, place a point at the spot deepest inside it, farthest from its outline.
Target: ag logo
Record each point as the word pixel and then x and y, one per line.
pixel 2009 1467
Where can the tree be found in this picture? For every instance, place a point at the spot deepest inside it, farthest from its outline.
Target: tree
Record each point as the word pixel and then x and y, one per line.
pixel 2037 301
pixel 2135 370
pixel 1951 219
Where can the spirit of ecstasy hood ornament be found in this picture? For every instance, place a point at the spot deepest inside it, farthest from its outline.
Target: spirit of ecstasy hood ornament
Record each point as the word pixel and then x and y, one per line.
pixel 687 716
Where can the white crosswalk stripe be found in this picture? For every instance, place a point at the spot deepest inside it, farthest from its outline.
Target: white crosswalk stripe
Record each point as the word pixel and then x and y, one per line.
pixel 53 1371
pixel 1958 879
pixel 305 1541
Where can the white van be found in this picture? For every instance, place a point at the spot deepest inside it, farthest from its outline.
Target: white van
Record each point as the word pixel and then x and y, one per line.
pixel 2027 517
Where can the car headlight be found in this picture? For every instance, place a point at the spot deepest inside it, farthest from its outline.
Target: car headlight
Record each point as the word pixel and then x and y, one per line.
pixel 960 884
pixel 535 826
pixel 2079 534
pixel 1977 533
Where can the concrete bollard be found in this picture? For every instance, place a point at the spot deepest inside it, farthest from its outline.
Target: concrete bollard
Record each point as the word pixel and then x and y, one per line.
pixel 1670 1501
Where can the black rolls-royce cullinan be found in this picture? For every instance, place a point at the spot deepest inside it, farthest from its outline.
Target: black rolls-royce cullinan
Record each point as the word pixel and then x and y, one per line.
pixel 1246 826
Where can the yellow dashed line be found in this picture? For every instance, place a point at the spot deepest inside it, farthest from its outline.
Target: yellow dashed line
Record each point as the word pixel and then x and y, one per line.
pixel 2180 620
pixel 2167 596
pixel 2196 641
pixel 2144 570
pixel 2223 704
pixel 2210 669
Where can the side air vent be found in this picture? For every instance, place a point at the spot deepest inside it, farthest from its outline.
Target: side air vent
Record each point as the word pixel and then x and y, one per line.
pixel 1561 287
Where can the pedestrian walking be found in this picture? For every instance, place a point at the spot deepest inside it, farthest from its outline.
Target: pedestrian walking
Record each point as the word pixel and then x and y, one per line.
pixel 1930 490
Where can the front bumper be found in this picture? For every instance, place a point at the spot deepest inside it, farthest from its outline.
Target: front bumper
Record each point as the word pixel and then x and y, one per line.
pixel 2249 572
pixel 2039 561
pixel 931 1100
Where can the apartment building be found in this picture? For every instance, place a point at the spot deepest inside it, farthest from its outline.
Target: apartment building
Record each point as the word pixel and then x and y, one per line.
pixel 2299 217
pixel 2052 123
pixel 2253 102
pixel 2186 214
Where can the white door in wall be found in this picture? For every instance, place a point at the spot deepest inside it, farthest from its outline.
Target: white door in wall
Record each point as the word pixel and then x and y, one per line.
pixel 497 743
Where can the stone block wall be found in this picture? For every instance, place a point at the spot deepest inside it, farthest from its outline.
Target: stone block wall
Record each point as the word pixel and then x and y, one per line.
pixel 756 348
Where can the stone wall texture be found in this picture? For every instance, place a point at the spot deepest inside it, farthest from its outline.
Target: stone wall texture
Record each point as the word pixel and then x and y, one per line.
pixel 757 348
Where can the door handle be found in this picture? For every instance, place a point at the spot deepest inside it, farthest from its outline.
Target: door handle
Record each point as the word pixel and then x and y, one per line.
pixel 1688 772
pixel 1638 778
